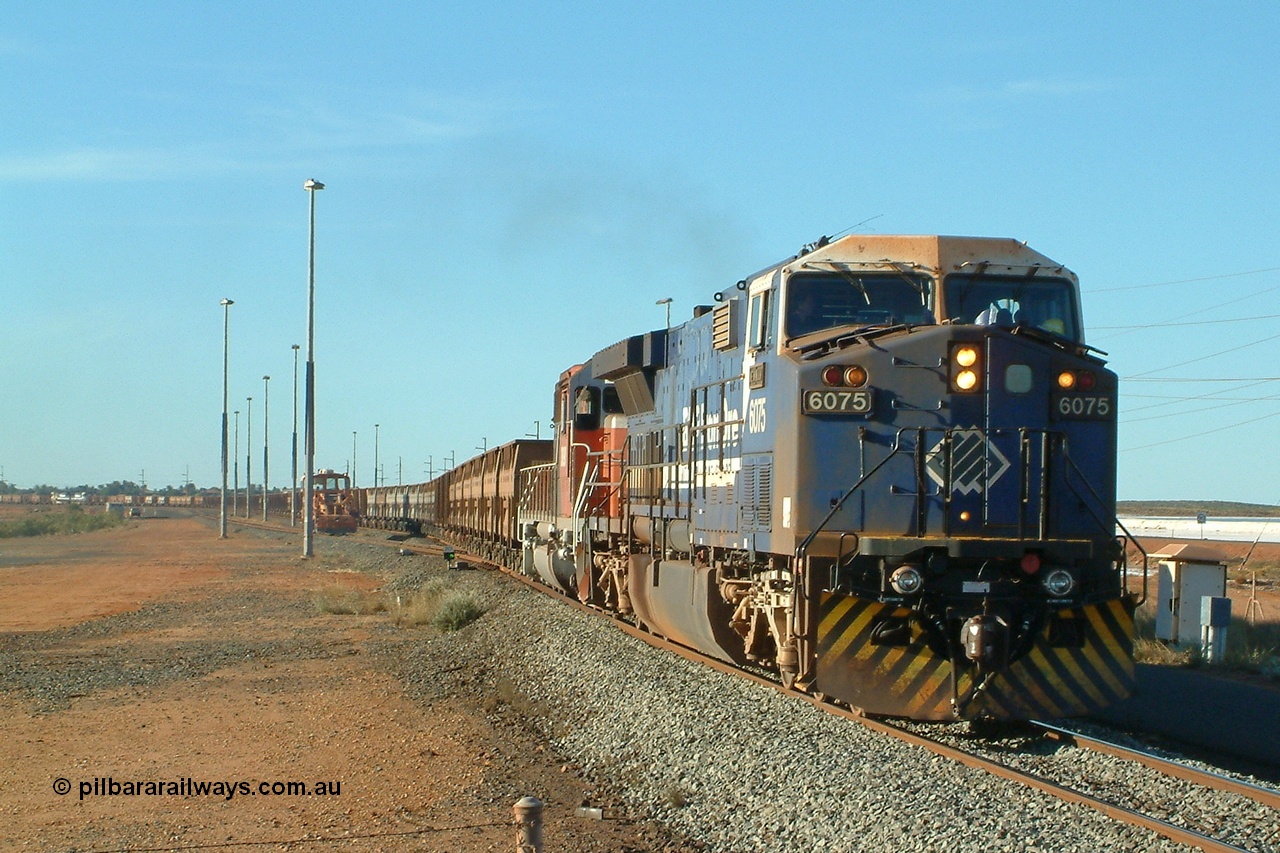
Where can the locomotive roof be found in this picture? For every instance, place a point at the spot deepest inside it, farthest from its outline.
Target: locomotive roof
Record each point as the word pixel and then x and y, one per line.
pixel 939 254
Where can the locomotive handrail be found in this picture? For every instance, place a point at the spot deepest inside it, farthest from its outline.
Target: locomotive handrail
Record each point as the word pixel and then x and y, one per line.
pixel 1146 567
pixel 613 486
pixel 1146 563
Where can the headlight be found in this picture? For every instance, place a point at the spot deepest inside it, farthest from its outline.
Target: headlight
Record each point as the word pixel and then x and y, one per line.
pixel 1059 582
pixel 966 368
pixel 966 380
pixel 906 580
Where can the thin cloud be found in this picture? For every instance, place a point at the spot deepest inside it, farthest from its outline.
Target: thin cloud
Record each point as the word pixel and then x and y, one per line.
pixel 19 48
pixel 78 164
pixel 1016 90
pixel 412 120
pixel 276 134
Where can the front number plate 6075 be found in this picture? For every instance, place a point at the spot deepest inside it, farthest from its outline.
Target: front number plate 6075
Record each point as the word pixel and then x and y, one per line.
pixel 1084 407
pixel 836 401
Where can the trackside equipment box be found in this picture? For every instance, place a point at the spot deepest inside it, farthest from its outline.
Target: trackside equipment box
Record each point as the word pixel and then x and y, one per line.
pixel 1188 573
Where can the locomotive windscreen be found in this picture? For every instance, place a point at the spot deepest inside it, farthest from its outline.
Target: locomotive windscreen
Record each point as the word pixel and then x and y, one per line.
pixel 817 301
pixel 1047 304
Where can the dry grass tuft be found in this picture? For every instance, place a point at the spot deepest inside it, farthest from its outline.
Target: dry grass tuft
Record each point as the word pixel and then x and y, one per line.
pixel 439 606
pixel 345 600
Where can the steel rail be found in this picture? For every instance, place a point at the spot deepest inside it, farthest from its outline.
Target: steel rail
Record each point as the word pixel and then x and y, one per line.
pixel 1207 778
pixel 1176 833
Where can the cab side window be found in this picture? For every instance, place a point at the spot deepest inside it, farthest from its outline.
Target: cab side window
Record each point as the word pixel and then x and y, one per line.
pixel 760 322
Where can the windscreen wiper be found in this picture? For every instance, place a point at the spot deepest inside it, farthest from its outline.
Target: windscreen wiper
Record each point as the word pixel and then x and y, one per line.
pixel 842 336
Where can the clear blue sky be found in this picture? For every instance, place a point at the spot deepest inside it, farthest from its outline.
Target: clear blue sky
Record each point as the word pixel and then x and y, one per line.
pixel 511 186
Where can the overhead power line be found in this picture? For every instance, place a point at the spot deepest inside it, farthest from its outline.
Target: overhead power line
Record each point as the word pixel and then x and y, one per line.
pixel 1209 356
pixel 1141 378
pixel 1198 311
pixel 1199 434
pixel 1218 405
pixel 1190 323
pixel 1207 395
pixel 1182 281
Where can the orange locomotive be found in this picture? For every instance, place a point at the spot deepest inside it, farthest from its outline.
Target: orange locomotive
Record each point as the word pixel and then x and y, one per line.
pixel 336 505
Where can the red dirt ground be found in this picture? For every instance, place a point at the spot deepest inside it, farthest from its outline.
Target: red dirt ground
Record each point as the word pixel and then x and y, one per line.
pixel 413 775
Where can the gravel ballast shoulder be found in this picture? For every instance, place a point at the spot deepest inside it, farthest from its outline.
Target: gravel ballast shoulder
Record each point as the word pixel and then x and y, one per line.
pixel 726 762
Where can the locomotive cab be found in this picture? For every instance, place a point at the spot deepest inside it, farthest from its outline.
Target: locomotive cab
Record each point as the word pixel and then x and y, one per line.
pixel 335 505
pixel 954 488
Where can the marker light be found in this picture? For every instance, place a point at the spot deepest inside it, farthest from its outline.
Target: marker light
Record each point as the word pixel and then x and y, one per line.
pixel 906 580
pixel 855 377
pixel 1030 562
pixel 836 376
pixel 1085 380
pixel 1066 380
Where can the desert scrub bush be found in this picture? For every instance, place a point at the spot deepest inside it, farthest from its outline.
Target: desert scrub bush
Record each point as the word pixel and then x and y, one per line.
pixel 345 600
pixel 72 520
pixel 457 611
pixel 438 605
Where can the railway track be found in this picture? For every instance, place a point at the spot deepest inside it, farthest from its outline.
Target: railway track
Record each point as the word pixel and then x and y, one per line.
pixel 1056 763
pixel 1049 759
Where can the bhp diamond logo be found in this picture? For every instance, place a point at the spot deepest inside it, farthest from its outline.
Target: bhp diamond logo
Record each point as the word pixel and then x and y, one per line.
pixel 975 462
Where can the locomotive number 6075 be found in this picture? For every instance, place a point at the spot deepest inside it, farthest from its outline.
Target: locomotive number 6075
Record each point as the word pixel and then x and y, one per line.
pixel 836 402
pixel 1084 406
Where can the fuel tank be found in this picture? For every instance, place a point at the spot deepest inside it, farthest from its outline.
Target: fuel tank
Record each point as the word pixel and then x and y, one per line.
pixel 544 557
pixel 681 602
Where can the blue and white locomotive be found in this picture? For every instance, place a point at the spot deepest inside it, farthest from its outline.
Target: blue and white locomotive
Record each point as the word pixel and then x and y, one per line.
pixel 885 466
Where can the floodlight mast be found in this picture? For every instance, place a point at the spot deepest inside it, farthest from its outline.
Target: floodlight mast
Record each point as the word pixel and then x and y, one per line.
pixel 311 185
pixel 222 515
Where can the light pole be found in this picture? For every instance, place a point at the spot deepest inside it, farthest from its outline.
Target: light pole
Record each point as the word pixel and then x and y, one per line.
pixel 666 302
pixel 311 185
pixel 375 454
pixel 293 476
pixel 666 337
pixel 226 337
pixel 353 459
pixel 266 440
pixel 235 489
pixel 248 457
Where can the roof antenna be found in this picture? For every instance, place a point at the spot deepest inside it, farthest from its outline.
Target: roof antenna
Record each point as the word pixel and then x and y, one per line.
pixel 825 240
pixel 850 229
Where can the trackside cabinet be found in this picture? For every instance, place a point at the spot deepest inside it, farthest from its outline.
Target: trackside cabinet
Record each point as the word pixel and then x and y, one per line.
pixel 1187 574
